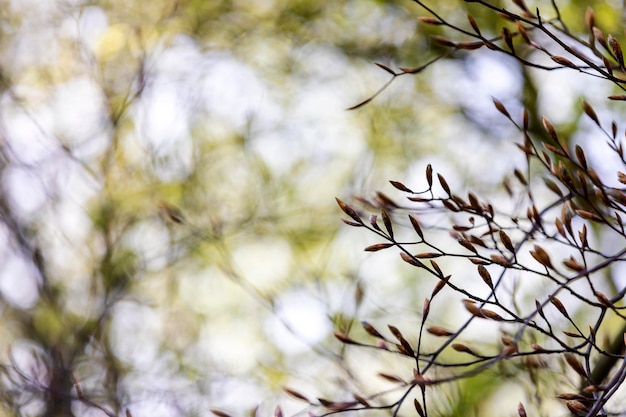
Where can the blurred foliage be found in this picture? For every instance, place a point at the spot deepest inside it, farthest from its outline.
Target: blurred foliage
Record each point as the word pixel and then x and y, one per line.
pixel 170 238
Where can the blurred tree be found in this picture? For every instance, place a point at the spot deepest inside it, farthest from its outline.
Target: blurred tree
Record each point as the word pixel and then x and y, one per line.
pixel 168 171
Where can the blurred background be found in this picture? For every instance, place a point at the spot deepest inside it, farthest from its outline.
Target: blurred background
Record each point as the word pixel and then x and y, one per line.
pixel 170 241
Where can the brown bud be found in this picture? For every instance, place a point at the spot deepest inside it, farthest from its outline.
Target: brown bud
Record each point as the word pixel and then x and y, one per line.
pixel 461 347
pixel 575 364
pixel 391 378
pixel 599 36
pixel 429 20
pixel 564 61
pixel 371 330
pixel 490 314
pixel 616 49
pixel 572 264
pixel 589 111
pixel 506 241
pixel 509 350
pixel 439 331
pixel 425 309
pixel 559 306
pixel 472 308
pixel 418 408
pixel 345 339
pixel 590 18
pixel 541 256
pixel 577 408
pixel 484 274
